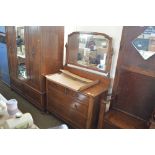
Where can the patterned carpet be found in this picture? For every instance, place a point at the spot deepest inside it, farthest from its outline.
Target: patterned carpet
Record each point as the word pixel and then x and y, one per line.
pixel 42 120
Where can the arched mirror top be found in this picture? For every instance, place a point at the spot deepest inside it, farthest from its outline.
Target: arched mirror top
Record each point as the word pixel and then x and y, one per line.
pixel 90 50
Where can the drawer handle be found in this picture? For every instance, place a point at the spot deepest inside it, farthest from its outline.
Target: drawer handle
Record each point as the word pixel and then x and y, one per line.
pixel 76 106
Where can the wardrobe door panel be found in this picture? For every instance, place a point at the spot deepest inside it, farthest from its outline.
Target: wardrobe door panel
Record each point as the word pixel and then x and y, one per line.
pixel 52 48
pixel 34 56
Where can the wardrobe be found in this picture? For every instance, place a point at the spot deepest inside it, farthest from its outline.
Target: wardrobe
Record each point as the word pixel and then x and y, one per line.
pixel 33 52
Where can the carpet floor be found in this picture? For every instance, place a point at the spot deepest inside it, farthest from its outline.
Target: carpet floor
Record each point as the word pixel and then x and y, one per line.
pixel 41 119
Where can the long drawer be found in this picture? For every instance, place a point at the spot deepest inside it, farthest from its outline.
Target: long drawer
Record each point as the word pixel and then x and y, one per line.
pixel 69 115
pixel 69 93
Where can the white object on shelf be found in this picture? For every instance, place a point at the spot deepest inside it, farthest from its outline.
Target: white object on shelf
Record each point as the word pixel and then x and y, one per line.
pixel 24 122
pixel 12 106
pixel 3 108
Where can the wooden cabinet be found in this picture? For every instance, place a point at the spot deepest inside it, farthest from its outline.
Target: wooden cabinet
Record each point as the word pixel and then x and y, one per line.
pixel 77 108
pixel 43 46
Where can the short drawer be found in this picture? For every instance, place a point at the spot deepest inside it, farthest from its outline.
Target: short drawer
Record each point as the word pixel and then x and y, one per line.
pixel 57 95
pixel 81 108
pixel 58 109
pixel 78 96
pixel 77 119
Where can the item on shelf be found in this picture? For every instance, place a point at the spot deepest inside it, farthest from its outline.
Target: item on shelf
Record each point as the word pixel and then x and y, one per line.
pixel 12 106
pixel 24 122
pixel 3 108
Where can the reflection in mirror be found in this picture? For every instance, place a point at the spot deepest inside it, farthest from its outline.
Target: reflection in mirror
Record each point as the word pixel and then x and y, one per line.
pixel 93 51
pixel 145 43
pixel 20 42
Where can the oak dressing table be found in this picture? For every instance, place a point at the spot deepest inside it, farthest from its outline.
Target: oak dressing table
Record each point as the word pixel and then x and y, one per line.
pixel 74 94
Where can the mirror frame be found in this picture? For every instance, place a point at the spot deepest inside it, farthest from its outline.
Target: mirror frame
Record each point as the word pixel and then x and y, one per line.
pixel 109 53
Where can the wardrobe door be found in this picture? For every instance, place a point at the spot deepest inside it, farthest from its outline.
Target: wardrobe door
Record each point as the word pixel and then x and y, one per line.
pixel 33 41
pixel 52 42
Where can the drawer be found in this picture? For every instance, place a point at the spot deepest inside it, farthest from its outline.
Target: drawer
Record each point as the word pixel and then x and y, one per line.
pixel 62 100
pixel 70 93
pixel 61 111
pixel 79 107
pixel 69 115
pixel 64 94
pixel 32 94
pixel 78 96
pixel 77 119
pixel 56 95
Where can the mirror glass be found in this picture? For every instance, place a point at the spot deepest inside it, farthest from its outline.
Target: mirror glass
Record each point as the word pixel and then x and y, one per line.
pixel 93 51
pixel 145 43
pixel 21 55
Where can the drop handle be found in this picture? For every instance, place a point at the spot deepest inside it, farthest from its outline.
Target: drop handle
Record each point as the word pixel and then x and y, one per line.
pixel 75 106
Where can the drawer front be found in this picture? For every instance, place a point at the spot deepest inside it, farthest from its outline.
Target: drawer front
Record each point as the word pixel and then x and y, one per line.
pixel 77 119
pixel 34 95
pixel 65 100
pixel 69 115
pixel 57 108
pixel 56 95
pixel 78 96
pixel 79 108
pixel 70 93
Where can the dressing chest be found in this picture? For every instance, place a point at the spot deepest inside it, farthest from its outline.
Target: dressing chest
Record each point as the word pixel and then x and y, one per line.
pixel 73 94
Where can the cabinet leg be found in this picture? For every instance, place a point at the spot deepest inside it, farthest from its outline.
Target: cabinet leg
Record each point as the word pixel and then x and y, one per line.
pixel 101 115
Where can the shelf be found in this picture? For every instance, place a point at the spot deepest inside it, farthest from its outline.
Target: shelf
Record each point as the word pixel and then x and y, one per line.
pixel 121 120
